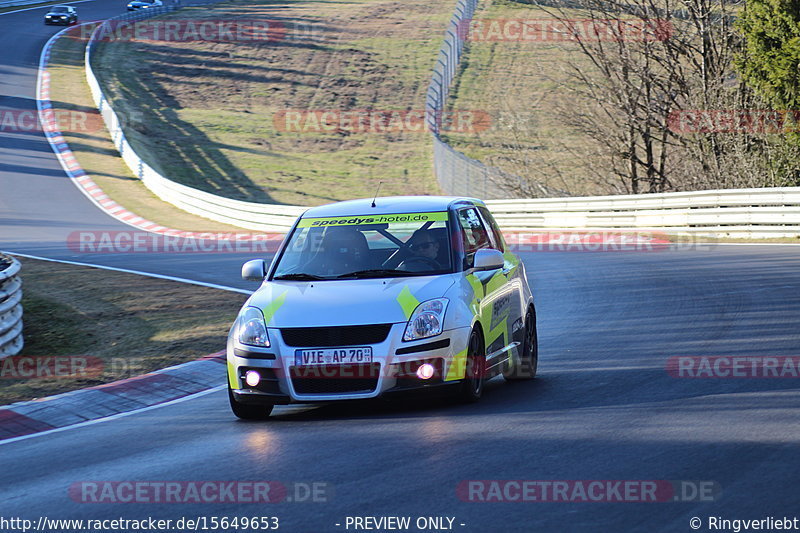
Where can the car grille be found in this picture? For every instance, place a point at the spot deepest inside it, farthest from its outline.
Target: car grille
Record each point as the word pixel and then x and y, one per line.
pixel 332 379
pixel 336 335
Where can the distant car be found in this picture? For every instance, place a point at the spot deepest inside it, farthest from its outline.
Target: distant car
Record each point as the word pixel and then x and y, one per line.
pixel 65 15
pixel 368 299
pixel 144 4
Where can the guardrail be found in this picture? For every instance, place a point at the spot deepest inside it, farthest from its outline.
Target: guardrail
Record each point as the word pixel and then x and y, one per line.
pixel 456 173
pixel 249 215
pixel 10 307
pixel 18 3
pixel 757 213
pixel 734 213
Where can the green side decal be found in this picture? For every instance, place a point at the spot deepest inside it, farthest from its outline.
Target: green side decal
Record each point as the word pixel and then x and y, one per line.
pixel 407 301
pixel 458 366
pixel 273 306
pixel 511 258
pixel 357 220
pixel 477 286
pixel 234 383
pixel 496 282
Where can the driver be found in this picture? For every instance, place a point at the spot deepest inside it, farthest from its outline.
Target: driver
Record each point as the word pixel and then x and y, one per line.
pixel 424 249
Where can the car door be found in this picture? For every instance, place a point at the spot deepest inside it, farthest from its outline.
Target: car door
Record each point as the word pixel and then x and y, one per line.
pixel 492 295
pixel 514 272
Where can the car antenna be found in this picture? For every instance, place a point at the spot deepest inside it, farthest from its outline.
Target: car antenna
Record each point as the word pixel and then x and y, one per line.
pixel 376 193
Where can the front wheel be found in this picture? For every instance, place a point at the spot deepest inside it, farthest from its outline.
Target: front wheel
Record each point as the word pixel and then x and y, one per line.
pixel 472 386
pixel 529 355
pixel 248 412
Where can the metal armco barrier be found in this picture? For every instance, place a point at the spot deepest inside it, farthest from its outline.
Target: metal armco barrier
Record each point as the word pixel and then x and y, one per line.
pixel 759 213
pixel 249 215
pixel 19 3
pixel 10 307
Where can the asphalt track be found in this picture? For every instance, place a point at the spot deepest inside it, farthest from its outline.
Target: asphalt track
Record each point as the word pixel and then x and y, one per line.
pixel 603 408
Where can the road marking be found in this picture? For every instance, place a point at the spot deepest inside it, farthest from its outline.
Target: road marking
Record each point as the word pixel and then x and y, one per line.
pixel 137 272
pixel 42 7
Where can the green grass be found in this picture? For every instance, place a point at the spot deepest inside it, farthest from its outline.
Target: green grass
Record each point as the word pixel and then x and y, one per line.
pixel 525 87
pixel 208 109
pixel 94 150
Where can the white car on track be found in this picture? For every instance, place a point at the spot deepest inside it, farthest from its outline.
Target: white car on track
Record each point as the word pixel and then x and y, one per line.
pixel 371 298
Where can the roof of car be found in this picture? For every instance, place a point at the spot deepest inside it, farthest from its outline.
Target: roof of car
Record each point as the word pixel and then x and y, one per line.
pixel 386 206
pixel 67 7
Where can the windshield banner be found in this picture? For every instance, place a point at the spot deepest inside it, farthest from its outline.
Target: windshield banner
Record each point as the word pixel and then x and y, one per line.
pixel 372 219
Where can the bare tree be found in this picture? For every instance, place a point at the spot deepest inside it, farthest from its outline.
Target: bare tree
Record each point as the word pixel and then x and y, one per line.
pixel 642 62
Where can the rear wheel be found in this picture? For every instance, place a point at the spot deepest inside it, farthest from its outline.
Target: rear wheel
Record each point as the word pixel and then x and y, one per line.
pixel 248 412
pixel 472 386
pixel 529 355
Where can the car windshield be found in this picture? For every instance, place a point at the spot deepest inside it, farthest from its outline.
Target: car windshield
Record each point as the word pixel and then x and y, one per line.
pixel 59 9
pixel 367 246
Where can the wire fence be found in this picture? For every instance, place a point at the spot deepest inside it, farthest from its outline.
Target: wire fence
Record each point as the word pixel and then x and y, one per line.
pixel 458 174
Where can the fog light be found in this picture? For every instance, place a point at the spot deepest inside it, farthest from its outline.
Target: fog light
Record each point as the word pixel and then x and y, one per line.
pixel 425 371
pixel 252 378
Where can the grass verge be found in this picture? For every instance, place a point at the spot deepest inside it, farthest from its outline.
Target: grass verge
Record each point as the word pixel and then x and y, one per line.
pixel 131 324
pixel 90 141
pixel 207 114
pixel 524 86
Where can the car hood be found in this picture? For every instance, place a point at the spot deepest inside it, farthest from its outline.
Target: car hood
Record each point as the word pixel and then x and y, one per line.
pixel 346 302
pixel 56 14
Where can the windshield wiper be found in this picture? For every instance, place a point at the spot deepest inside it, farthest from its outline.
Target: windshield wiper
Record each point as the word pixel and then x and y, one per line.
pixel 298 276
pixel 376 273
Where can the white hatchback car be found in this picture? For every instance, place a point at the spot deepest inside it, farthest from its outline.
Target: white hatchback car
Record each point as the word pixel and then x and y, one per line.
pixel 368 298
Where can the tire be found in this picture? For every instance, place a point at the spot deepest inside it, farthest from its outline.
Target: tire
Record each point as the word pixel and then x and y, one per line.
pixel 472 386
pixel 529 360
pixel 248 412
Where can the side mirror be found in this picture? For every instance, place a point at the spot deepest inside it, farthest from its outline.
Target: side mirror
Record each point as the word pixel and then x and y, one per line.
pixel 254 270
pixel 488 259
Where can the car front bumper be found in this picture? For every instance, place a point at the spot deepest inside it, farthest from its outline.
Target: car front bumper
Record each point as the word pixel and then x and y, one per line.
pixel 390 373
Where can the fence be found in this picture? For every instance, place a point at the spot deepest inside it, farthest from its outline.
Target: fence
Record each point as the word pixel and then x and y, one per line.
pixel 249 215
pixel 456 173
pixel 10 307
pixel 733 213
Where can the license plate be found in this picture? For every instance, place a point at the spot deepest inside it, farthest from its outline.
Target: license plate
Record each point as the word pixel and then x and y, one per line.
pixel 333 356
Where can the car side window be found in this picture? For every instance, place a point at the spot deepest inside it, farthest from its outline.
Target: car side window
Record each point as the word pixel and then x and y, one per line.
pixel 473 233
pixel 497 235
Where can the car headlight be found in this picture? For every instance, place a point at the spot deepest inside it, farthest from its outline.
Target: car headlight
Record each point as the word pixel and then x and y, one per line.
pixel 427 320
pixel 251 329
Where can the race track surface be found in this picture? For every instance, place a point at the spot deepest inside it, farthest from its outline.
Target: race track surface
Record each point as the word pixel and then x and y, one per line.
pixel 604 407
